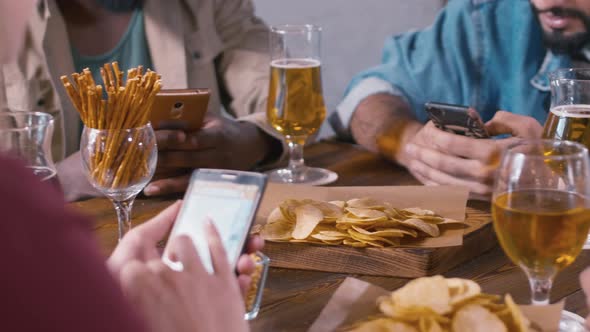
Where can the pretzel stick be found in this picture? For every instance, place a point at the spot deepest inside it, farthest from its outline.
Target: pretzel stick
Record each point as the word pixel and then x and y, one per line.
pixel 118 160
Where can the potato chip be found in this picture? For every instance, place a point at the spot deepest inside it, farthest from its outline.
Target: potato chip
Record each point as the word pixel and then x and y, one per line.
pixel 350 219
pixel 384 325
pixel 485 300
pixel 275 216
pixel 422 226
pixel 334 233
pixel 449 221
pixel 367 213
pixel 365 203
pixel 519 322
pixel 307 217
pixel 462 289
pixel 331 212
pixel 403 230
pixel 340 204
pixel 256 229
pixel 419 211
pixel 278 231
pixel 476 318
pixel 429 324
pixel 323 237
pixel 429 292
pixel 355 244
pixel 380 233
pixel 288 207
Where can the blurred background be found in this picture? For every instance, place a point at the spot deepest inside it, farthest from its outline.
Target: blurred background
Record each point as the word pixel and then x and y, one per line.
pixel 353 32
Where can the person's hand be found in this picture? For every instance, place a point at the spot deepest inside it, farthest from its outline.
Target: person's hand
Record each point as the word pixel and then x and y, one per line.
pixel 190 300
pixel 141 244
pixel 72 179
pixel 585 283
pixel 436 157
pixel 221 143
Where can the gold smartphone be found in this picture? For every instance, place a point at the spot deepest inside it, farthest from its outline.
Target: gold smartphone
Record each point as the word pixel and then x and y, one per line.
pixel 180 109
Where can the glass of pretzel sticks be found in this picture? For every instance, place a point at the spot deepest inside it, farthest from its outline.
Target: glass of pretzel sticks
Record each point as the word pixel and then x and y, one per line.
pixel 118 144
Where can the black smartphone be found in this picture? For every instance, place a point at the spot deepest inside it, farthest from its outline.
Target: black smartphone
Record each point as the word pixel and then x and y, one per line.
pixel 458 119
pixel 230 199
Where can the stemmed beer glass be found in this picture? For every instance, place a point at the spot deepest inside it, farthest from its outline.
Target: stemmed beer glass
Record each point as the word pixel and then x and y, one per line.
pixel 120 163
pixel 569 115
pixel 541 208
pixel 296 106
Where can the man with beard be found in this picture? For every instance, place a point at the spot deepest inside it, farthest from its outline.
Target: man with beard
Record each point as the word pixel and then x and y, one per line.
pixel 489 54
pixel 220 45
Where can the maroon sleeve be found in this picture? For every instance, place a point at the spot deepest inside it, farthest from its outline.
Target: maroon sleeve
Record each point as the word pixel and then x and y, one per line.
pixel 52 276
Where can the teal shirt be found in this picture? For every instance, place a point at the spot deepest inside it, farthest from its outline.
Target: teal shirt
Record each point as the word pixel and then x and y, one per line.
pixel 131 51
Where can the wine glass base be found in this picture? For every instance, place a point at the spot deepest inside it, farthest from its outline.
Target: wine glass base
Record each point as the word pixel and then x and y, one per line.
pixel 310 175
pixel 571 322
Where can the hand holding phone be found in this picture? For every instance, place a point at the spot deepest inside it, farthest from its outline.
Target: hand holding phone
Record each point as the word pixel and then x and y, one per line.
pixel 461 120
pixel 180 109
pixel 230 199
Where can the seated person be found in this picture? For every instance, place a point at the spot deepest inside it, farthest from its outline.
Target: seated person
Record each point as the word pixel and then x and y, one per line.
pixel 490 55
pixel 58 280
pixel 220 45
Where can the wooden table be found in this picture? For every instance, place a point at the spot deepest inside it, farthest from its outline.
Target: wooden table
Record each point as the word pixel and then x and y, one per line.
pixel 294 298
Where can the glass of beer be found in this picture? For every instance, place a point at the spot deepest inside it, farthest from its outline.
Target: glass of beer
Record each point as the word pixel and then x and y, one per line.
pixel 296 107
pixel 541 208
pixel 569 114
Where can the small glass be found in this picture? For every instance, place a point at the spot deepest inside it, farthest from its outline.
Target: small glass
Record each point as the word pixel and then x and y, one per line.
pixel 28 136
pixel 296 107
pixel 253 299
pixel 541 209
pixel 120 163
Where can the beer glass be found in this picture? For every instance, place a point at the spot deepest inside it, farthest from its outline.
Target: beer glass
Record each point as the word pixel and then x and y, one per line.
pixel 541 209
pixel 569 113
pixel 296 106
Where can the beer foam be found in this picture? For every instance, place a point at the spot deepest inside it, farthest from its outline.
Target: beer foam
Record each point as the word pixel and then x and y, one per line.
pixel 295 63
pixel 572 111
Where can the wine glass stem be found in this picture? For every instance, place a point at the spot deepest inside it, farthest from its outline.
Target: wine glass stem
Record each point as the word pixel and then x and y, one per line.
pixel 296 162
pixel 540 290
pixel 123 209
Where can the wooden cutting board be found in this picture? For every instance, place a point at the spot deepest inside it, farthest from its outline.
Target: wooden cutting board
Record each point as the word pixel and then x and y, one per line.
pixel 478 236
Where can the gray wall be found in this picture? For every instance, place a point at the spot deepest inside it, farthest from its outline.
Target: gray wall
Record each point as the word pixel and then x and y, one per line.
pixel 353 32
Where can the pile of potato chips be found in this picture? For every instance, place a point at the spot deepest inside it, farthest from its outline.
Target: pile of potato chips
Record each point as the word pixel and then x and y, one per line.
pixel 358 222
pixel 436 304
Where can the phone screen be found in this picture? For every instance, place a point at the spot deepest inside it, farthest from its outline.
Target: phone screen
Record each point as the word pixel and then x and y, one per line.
pixel 231 207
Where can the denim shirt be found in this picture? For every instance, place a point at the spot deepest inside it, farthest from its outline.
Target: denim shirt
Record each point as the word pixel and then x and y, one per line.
pixel 488 54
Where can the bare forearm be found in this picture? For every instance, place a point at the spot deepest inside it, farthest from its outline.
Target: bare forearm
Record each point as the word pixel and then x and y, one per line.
pixel 383 123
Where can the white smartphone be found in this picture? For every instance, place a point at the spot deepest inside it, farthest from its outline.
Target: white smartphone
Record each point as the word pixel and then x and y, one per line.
pixel 230 199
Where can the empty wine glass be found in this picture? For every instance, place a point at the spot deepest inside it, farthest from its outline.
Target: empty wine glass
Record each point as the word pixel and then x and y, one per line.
pixel 28 136
pixel 119 163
